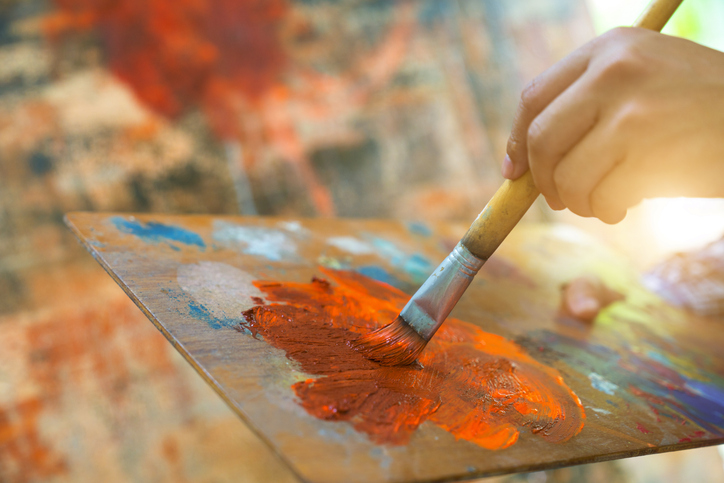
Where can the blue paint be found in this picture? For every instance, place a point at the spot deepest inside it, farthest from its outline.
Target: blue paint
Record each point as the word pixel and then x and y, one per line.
pixel 381 275
pixel 153 232
pixel 419 228
pixel 672 393
pixel 199 311
pixel 705 390
pixel 417 266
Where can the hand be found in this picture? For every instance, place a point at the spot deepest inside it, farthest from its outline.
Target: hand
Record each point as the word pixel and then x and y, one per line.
pixel 633 114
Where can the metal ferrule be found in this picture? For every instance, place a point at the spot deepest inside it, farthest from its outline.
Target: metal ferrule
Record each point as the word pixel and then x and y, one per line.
pixel 433 302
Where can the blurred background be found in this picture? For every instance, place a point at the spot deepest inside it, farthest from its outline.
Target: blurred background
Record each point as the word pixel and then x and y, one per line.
pixel 270 107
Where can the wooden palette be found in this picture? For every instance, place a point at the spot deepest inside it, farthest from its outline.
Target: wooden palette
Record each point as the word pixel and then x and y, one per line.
pixel 649 376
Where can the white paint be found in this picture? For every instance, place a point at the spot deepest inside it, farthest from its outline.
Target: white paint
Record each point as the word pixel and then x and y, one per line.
pixel 350 244
pixel 598 410
pixel 293 226
pixel 602 384
pixel 269 243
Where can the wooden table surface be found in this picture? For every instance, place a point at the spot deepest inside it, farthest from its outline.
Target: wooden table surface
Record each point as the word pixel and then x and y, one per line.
pixel 649 377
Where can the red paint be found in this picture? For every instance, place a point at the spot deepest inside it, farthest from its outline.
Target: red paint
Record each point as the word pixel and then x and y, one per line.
pixel 695 435
pixel 654 401
pixel 642 428
pixel 478 386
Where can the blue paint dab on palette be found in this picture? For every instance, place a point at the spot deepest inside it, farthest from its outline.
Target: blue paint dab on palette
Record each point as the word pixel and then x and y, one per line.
pixel 419 228
pixel 381 275
pixel 158 232
pixel 416 265
pixel 199 311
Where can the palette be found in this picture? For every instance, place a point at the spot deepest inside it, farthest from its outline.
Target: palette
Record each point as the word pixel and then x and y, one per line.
pixel 511 384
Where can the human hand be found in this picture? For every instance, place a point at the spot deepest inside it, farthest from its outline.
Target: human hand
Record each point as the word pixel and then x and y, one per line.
pixel 633 114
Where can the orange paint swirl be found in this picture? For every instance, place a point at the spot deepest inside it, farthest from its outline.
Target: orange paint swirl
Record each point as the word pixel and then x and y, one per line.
pixel 478 386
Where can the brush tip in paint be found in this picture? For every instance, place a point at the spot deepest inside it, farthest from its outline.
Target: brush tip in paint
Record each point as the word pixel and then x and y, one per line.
pixel 396 344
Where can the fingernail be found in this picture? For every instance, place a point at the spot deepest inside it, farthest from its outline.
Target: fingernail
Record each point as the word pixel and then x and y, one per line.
pixel 507 168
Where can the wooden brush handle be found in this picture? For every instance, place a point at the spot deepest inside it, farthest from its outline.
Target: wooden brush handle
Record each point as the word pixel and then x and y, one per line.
pixel 513 199
pixel 656 14
pixel 500 215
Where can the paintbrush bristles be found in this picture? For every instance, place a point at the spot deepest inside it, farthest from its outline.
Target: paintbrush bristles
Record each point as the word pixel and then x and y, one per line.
pixel 396 344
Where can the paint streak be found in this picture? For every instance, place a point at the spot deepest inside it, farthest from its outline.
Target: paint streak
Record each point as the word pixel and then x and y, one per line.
pixel 415 265
pixel 383 275
pixel 215 292
pixel 419 228
pixel 664 374
pixel 158 232
pixel 270 243
pixel 350 244
pixel 642 428
pixel 478 386
pixel 600 383
pixel 695 435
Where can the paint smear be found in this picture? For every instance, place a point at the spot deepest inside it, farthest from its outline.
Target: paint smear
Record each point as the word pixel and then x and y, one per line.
pixel 220 292
pixel 270 243
pixel 478 386
pixel 601 384
pixel 415 265
pixel 153 232
pixel 350 244
pixel 673 376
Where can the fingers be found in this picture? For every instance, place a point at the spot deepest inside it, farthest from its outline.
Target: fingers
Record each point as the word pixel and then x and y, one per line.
pixel 558 130
pixel 622 188
pixel 535 97
pixel 575 176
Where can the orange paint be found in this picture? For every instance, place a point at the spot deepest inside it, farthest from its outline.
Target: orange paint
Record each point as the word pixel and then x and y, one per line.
pixel 478 386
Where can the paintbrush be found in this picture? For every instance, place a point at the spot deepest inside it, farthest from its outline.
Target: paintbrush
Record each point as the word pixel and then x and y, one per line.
pixel 400 342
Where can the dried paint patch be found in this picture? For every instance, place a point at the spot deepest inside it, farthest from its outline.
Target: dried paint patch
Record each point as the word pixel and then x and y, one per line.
pixel 417 266
pixel 478 386
pixel 419 228
pixel 599 383
pixel 220 292
pixel 350 244
pixel 272 244
pixel 670 378
pixel 153 232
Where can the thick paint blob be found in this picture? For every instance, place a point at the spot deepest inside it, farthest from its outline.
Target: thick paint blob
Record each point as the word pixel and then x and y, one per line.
pixel 478 386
